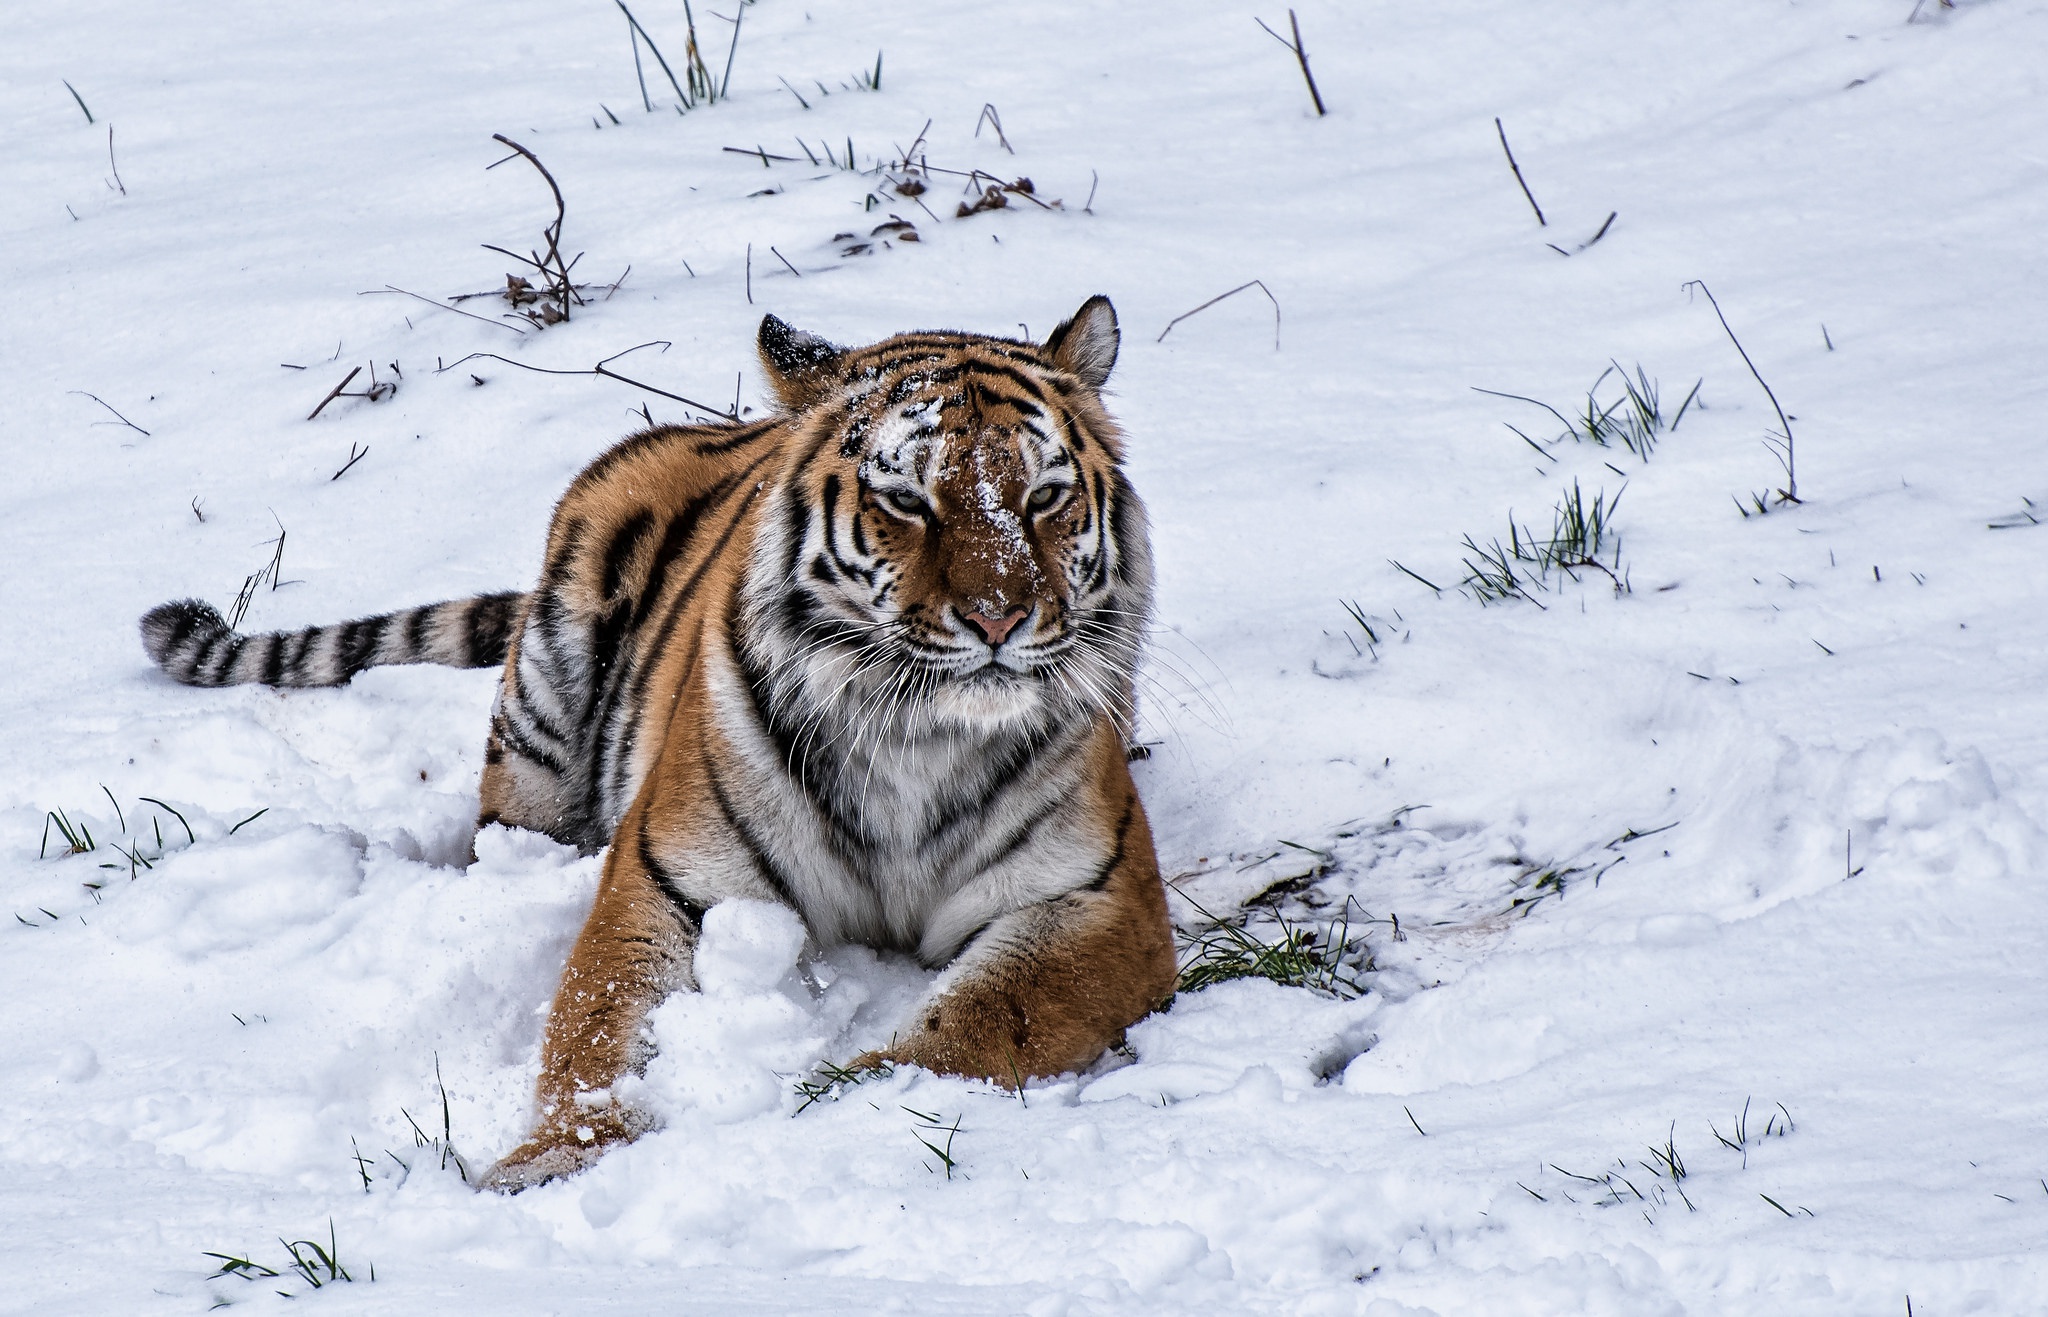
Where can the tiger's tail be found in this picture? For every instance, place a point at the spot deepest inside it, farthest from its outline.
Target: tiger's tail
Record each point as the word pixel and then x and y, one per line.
pixel 192 642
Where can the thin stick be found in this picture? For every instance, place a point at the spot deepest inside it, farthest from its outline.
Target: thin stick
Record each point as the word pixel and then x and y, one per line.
pixel 110 162
pixel 602 368
pixel 1300 55
pixel 750 274
pixel 76 97
pixel 785 261
pixel 117 416
pixel 392 288
pixel 636 55
pixel 1258 284
pixel 335 394
pixel 1791 492
pixel 1518 172
pixel 353 457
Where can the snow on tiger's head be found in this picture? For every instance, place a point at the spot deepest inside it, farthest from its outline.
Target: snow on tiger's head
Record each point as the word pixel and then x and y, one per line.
pixel 955 535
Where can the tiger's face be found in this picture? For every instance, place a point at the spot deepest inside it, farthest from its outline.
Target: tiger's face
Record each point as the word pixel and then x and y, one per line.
pixel 957 544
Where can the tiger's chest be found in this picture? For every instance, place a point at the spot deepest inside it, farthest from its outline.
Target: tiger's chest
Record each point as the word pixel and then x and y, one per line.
pixel 910 841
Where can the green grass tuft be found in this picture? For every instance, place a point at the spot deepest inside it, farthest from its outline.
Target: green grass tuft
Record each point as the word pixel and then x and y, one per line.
pixel 1298 957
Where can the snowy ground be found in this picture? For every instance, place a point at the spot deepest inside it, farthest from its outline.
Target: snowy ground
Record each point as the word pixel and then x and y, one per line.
pixel 194 1056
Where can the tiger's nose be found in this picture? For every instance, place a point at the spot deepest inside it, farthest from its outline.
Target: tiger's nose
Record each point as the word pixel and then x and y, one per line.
pixel 995 630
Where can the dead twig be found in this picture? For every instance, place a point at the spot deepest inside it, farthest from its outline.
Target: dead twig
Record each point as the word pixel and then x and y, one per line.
pixel 336 393
pixel 1300 55
pixel 1256 283
pixel 553 269
pixel 604 368
pixel 1518 172
pixel 117 416
pixel 354 456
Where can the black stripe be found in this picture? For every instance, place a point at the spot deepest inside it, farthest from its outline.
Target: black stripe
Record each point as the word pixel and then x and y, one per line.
pixel 1023 834
pixel 1001 769
pixel 188 622
pixel 756 851
pixel 691 911
pixel 865 575
pixel 196 666
pixel 737 439
pixel 624 541
pixel 860 534
pixel 561 563
pixel 522 702
pixel 918 381
pixel 658 642
pixel 989 395
pixel 814 771
pixel 472 653
pixel 1116 856
pixel 295 666
pixel 675 541
pixel 1120 528
pixel 1016 377
pixel 224 665
pixel 631 445
pixel 606 635
pixel 509 735
pixel 273 659
pixel 415 634
pixel 1103 514
pixel 491 621
pixel 359 643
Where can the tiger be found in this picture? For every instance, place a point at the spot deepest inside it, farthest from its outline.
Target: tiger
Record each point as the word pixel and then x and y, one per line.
pixel 871 657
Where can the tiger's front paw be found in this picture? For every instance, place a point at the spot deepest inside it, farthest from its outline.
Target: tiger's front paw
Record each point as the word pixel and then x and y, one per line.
pixel 537 1161
pixel 554 1152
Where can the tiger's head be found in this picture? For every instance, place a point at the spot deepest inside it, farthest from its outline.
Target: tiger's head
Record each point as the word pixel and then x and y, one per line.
pixel 953 542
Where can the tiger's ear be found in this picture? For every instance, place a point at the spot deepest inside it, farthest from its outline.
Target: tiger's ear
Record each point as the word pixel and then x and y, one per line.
pixel 1085 343
pixel 800 365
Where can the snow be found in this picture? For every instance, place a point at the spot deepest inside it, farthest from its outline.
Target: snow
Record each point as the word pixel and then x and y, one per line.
pixel 1792 781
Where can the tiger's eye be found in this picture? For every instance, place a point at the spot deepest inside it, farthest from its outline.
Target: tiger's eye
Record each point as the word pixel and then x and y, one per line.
pixel 1046 496
pixel 905 502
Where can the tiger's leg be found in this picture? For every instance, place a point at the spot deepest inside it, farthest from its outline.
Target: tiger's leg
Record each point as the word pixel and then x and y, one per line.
pixel 635 949
pixel 1050 987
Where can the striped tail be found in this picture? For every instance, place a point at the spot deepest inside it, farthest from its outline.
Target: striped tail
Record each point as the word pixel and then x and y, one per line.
pixel 191 641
